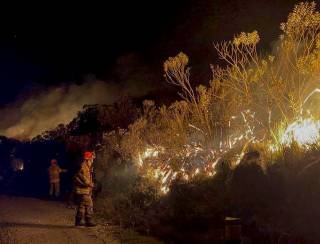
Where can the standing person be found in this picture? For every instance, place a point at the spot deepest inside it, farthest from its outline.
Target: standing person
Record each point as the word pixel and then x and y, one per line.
pixel 83 185
pixel 54 178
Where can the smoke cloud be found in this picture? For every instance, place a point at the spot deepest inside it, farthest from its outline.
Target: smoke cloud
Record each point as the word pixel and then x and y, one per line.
pixel 47 109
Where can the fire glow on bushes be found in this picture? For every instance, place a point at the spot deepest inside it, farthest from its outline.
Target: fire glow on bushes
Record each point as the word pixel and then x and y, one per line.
pixel 203 163
pixel 198 160
pixel 148 153
pixel 255 102
pixel 303 131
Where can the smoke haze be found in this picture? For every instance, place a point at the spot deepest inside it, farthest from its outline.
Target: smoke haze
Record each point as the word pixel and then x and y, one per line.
pixel 44 111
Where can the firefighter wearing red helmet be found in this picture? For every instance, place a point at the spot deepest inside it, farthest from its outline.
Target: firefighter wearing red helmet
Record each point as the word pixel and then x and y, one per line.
pixel 83 185
pixel 54 178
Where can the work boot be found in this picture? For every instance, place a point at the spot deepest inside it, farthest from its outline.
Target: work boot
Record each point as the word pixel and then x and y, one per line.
pixel 89 223
pixel 79 222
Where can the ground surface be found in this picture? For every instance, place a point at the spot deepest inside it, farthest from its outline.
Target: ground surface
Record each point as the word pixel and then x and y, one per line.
pixel 34 221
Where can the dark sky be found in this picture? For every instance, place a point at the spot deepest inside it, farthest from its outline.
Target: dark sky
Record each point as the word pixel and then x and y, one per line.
pixel 53 44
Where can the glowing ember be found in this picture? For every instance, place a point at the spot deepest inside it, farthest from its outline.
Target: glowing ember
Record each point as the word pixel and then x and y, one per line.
pixel 304 132
pixel 195 158
pixel 17 164
pixel 148 153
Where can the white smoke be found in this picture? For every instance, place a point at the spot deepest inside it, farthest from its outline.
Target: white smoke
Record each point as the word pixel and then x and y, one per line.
pixel 44 111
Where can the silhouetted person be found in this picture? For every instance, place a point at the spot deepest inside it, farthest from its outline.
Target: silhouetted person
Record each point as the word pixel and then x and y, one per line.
pixel 54 178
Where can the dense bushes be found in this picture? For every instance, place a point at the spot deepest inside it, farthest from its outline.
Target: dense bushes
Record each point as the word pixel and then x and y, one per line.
pixel 271 202
pixel 193 147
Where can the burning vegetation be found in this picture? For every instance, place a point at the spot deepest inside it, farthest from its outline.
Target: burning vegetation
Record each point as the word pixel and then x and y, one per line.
pixel 190 163
pixel 266 101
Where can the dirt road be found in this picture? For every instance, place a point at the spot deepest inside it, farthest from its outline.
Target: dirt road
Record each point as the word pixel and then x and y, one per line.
pixel 34 221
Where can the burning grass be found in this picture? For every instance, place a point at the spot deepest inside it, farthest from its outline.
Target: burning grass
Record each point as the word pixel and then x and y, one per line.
pixel 266 102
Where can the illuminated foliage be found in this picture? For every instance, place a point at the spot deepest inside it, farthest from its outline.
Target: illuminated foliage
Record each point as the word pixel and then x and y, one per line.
pixel 246 101
pixel 194 150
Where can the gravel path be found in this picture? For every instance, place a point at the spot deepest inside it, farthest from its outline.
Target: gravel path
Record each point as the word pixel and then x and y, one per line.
pixel 34 221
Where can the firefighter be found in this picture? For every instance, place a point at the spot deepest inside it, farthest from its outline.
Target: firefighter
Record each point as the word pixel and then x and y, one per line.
pixel 83 185
pixel 54 178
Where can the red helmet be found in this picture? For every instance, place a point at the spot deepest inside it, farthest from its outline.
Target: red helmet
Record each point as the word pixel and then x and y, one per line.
pixel 53 161
pixel 88 155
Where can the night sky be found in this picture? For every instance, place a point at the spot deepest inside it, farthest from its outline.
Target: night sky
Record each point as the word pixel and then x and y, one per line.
pixel 42 46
